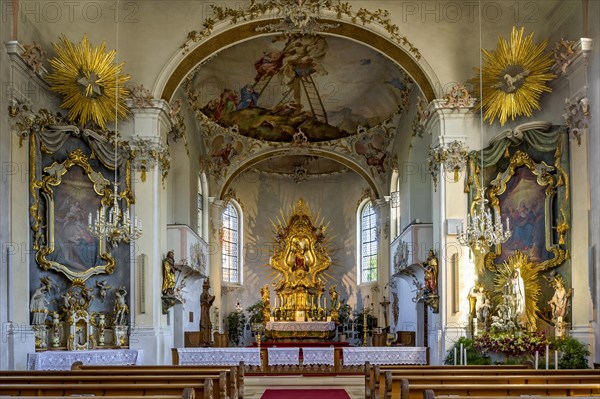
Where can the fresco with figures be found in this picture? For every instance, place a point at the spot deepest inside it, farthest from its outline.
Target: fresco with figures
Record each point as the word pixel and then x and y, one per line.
pixel 286 84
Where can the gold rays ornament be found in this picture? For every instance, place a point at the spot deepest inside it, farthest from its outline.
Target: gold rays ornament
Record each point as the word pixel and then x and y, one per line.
pixel 91 84
pixel 528 274
pixel 514 77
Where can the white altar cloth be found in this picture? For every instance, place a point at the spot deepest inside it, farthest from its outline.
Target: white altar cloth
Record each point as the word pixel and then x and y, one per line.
pixel 284 356
pixel 219 356
pixel 300 326
pixel 385 355
pixel 62 360
pixel 318 356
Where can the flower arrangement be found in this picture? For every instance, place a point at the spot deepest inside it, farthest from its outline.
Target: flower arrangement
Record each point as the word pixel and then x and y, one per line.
pixel 512 345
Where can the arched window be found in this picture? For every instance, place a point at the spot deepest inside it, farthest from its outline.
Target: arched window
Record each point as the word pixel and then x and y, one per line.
pixel 368 242
pixel 231 243
pixel 395 205
pixel 200 206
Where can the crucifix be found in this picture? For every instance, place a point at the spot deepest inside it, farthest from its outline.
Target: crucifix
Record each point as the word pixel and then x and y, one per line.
pixel 385 304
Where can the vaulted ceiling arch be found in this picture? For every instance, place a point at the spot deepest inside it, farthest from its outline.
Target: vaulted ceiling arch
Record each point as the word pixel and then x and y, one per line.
pixel 182 64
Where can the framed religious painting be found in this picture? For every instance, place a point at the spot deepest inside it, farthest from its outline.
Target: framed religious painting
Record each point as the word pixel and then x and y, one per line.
pixel 64 198
pixel 523 196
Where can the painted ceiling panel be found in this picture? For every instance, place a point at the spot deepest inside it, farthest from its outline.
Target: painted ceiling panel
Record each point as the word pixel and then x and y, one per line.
pixel 274 86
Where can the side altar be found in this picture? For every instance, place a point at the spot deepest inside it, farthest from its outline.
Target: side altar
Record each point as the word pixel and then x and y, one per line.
pixel 301 256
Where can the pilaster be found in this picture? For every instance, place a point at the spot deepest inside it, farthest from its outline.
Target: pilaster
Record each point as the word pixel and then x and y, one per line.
pixel 150 329
pixel 449 201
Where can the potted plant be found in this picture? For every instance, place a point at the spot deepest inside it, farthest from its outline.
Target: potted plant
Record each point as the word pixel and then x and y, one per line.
pixel 343 319
pixel 574 354
pixel 236 322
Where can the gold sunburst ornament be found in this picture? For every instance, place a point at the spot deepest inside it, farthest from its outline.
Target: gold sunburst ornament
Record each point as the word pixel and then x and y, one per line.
pixel 519 275
pixel 514 77
pixel 92 85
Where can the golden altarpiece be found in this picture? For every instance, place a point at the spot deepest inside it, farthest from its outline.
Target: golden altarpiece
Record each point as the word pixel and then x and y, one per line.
pixel 301 257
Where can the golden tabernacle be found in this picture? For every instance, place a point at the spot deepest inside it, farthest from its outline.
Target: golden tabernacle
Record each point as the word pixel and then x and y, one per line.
pixel 301 255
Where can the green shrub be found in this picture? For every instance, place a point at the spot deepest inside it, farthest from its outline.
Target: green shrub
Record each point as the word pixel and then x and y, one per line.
pixel 473 356
pixel 574 353
pixel 236 322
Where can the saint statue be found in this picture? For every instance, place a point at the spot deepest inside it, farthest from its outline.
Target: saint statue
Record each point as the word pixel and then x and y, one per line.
pixel 265 294
pixel 168 286
pixel 206 301
pixel 39 302
pixel 560 300
pixel 515 289
pixel 431 273
pixel 480 297
pixel 121 308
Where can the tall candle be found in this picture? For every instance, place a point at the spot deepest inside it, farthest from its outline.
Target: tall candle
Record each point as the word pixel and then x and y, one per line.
pixel 556 360
pixel 547 350
pixel 537 357
pixel 455 355
pixel 465 362
pixel 461 353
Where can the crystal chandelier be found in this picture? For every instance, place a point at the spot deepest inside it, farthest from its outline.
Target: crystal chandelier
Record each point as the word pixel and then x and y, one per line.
pixel 115 225
pixel 118 226
pixel 482 232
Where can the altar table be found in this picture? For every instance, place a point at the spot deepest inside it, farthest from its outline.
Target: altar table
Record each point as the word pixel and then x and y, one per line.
pixel 62 360
pixel 384 355
pixel 218 356
pixel 300 329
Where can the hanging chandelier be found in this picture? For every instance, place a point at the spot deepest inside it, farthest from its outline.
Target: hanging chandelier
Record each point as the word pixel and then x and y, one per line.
pixel 114 225
pixel 482 231
pixel 111 223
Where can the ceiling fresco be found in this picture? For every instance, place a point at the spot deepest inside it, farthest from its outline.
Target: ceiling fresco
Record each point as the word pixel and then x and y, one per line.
pixel 275 86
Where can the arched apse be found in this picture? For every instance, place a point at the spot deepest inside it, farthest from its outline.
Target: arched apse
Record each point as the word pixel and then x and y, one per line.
pixel 349 163
pixel 182 64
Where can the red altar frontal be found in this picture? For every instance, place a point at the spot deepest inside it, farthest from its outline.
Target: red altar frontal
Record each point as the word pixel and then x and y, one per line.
pixel 300 331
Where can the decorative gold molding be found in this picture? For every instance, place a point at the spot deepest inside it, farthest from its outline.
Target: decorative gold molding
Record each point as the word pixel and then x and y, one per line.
pixel 44 243
pixel 546 179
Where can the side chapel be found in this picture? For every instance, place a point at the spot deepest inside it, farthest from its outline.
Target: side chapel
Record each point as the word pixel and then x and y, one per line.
pixel 200 173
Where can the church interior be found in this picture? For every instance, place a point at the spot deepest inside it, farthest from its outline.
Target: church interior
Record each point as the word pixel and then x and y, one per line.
pixel 411 182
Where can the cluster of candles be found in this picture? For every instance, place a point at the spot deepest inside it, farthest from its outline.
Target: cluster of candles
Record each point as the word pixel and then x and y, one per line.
pixel 462 360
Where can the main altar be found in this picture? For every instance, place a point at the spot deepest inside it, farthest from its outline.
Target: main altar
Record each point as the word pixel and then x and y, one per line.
pixel 300 256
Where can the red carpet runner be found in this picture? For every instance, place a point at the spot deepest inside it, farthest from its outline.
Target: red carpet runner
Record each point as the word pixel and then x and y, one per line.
pixel 305 394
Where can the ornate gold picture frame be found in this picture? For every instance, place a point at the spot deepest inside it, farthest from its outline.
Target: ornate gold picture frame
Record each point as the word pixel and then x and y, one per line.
pixel 525 193
pixel 71 190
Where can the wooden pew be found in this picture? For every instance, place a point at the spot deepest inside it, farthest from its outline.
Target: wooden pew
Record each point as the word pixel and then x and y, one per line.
pixel 415 391
pixel 378 375
pixel 430 394
pixel 187 394
pixel 176 390
pixel 235 374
